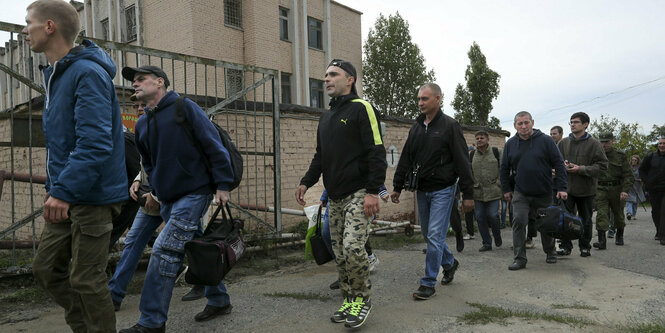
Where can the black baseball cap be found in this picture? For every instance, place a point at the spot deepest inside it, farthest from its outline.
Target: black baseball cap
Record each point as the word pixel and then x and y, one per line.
pixel 129 72
pixel 347 67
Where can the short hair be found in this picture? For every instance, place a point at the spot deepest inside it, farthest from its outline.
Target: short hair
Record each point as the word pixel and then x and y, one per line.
pixel 639 160
pixel 436 90
pixel 558 129
pixel 583 117
pixel 62 13
pixel 522 114
pixel 483 133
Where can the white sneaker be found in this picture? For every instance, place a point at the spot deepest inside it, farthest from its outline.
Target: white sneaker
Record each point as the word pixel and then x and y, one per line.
pixel 467 237
pixel 373 261
pixel 529 244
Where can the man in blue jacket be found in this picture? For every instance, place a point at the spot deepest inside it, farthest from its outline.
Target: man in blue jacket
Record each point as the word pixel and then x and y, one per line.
pixel 180 179
pixel 86 178
pixel 526 180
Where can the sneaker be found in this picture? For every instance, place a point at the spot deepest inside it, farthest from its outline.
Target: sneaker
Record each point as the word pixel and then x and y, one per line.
pixel 373 261
pixel 449 275
pixel 628 217
pixel 529 244
pixel 467 237
pixel 563 252
pixel 551 258
pixel 424 292
pixel 340 315
pixel 334 285
pixel 585 252
pixel 359 312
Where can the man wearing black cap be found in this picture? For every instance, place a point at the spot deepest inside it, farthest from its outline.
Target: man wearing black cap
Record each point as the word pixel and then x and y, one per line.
pixel 183 184
pixel 351 156
pixel 614 183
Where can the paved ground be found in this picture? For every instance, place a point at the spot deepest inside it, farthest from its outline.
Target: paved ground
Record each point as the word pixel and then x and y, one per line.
pixel 622 286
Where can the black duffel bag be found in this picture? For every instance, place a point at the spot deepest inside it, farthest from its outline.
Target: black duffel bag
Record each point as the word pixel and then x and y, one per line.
pixel 557 222
pixel 213 255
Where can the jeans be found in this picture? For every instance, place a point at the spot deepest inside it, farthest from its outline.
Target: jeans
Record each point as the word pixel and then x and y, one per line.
pixel 487 215
pixel 631 208
pixel 137 238
pixel 183 223
pixel 585 210
pixel 525 206
pixel 434 210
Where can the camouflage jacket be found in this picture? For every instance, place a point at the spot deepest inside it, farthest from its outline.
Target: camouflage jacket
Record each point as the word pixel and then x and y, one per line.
pixel 618 170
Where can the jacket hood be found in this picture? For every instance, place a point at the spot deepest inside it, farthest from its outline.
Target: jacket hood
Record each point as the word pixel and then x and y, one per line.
pixel 167 100
pixel 586 136
pixel 88 50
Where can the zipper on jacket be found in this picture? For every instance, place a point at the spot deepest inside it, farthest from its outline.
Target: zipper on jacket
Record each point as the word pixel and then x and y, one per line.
pixel 48 87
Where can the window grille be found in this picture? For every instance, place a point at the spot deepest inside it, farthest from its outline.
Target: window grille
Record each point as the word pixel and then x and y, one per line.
pixel 233 13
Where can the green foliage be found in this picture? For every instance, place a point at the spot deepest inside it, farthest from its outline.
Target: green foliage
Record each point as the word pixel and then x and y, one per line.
pixel 473 102
pixel 627 136
pixel 393 68
pixel 657 132
pixel 492 314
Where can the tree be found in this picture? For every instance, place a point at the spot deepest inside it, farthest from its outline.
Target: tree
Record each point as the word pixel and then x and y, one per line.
pixel 627 137
pixel 473 102
pixel 393 68
pixel 657 132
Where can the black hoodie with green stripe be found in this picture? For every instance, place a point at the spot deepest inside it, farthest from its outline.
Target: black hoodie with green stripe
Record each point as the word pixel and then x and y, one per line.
pixel 349 149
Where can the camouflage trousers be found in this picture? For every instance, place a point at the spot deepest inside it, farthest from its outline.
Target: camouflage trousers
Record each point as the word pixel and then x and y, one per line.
pixel 608 202
pixel 349 230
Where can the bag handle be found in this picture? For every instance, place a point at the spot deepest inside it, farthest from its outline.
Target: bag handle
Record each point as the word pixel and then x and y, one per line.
pixel 226 210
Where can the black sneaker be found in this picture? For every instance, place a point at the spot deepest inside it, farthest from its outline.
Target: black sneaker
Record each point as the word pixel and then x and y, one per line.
pixel 196 293
pixel 585 253
pixel 563 252
pixel 360 308
pixel 449 275
pixel 424 292
pixel 340 315
pixel 210 312
pixel 551 258
pixel 142 329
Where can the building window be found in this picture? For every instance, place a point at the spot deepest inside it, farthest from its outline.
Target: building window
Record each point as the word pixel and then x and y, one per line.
pixel 283 23
pixel 316 93
pixel 285 86
pixel 233 13
pixel 234 83
pixel 130 23
pixel 315 33
pixel 105 29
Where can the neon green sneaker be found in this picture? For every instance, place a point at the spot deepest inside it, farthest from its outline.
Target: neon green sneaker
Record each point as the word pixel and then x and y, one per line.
pixel 360 309
pixel 340 315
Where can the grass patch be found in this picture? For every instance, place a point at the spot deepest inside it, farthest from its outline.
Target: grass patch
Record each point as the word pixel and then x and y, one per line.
pixel 19 257
pixel 574 306
pixel 26 295
pixel 300 296
pixel 487 314
pixel 394 241
pixel 655 326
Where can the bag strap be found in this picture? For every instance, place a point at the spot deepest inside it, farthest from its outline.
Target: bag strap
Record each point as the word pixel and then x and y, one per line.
pixel 226 210
pixel 181 119
pixel 495 150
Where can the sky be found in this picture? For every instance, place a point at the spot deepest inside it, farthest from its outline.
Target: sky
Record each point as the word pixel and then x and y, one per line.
pixel 602 57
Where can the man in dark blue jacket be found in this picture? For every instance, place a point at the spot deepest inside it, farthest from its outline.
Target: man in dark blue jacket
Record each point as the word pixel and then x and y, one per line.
pixel 86 178
pixel 526 180
pixel 180 179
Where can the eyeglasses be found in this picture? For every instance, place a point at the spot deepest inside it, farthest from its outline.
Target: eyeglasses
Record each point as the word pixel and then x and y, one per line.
pixel 574 122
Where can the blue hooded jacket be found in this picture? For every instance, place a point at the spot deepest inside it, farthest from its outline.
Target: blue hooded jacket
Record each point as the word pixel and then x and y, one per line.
pixel 85 148
pixel 175 168
pixel 534 168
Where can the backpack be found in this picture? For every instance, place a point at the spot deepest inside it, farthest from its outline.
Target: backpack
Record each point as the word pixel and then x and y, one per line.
pixel 495 150
pixel 234 154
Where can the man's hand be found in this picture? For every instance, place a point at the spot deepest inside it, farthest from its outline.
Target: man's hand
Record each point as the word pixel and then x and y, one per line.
pixel 623 196
pixel 371 205
pixel 508 196
pixel 150 203
pixel 572 168
pixel 134 189
pixel 562 195
pixel 300 194
pixel 55 210
pixel 467 205
pixel 395 197
pixel 221 197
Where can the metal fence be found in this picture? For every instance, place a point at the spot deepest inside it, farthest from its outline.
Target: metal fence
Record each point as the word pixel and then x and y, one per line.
pixel 242 99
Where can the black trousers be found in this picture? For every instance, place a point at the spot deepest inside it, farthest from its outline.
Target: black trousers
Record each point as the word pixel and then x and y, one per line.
pixel 657 200
pixel 468 218
pixel 584 207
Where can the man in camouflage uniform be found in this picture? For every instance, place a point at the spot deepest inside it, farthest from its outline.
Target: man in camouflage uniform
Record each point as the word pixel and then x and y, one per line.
pixel 613 186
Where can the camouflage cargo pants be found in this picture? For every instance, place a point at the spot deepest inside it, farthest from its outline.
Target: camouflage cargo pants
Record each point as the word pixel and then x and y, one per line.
pixel 349 230
pixel 608 202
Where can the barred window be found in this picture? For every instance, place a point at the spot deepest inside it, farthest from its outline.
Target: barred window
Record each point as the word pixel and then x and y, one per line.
pixel 105 29
pixel 130 23
pixel 315 33
pixel 283 23
pixel 234 82
pixel 286 87
pixel 233 13
pixel 316 93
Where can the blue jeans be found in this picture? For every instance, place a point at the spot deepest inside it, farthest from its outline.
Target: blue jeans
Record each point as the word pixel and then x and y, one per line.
pixel 631 208
pixel 183 223
pixel 137 238
pixel 487 215
pixel 434 210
